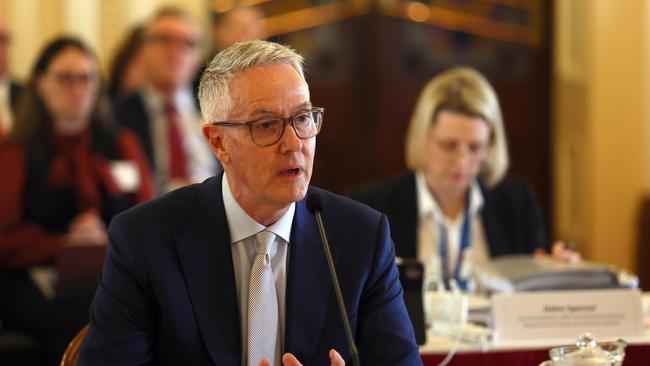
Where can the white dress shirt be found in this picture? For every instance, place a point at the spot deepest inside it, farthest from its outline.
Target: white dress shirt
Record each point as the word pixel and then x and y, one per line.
pixel 430 216
pixel 201 163
pixel 242 229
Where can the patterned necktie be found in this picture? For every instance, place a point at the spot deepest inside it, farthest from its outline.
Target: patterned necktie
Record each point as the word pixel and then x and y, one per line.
pixel 262 304
pixel 177 159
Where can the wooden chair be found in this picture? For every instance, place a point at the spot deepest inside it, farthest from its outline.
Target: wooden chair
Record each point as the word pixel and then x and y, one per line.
pixel 71 354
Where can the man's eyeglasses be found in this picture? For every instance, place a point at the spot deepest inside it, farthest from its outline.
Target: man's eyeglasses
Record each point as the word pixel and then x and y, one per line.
pixel 169 40
pixel 267 131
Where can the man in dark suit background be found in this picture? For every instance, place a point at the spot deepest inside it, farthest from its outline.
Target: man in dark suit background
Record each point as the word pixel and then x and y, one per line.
pixel 163 113
pixel 232 271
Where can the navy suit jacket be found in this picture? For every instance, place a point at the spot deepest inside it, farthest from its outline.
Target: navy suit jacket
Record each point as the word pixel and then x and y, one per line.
pixel 167 294
pixel 511 216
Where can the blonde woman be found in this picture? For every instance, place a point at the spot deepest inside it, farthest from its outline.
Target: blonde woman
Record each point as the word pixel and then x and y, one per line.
pixel 456 207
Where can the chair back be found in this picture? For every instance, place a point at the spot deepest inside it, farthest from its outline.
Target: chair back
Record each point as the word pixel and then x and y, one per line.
pixel 71 354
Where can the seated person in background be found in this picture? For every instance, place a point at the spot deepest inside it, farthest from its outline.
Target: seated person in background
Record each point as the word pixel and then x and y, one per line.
pixel 65 172
pixel 232 271
pixel 240 24
pixel 456 207
pixel 163 111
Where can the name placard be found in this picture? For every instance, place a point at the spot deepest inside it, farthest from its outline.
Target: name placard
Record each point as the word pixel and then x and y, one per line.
pixel 567 314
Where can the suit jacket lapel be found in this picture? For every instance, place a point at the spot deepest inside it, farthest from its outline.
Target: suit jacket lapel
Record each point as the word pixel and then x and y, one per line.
pixel 206 258
pixel 308 285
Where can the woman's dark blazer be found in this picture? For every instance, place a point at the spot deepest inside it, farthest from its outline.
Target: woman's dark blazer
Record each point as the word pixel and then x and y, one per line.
pixel 511 215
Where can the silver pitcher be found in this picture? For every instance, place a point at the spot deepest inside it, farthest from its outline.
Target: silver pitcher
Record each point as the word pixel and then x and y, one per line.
pixel 587 352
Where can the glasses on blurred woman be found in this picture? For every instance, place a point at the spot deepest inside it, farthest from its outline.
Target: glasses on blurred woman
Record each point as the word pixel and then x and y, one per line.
pixel 68 79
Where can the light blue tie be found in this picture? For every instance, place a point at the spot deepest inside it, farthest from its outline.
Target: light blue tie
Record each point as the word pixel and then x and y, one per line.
pixel 262 304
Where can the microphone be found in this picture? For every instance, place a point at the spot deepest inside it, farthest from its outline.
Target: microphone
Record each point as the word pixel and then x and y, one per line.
pixel 315 206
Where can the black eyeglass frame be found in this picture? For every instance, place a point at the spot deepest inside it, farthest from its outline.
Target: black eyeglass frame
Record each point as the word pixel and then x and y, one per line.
pixel 286 120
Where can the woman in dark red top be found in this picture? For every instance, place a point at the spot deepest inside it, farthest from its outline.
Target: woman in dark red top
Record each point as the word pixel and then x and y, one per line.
pixel 65 172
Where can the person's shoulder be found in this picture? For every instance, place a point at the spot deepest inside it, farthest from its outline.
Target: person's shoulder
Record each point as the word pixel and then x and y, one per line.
pixel 129 106
pixel 344 209
pixel 511 182
pixel 509 188
pixel 168 212
pixel 384 189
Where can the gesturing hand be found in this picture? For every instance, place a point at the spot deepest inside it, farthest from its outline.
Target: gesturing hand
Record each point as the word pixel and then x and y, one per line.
pixel 290 360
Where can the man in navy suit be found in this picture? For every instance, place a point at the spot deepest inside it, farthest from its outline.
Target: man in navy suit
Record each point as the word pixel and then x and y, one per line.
pixel 178 280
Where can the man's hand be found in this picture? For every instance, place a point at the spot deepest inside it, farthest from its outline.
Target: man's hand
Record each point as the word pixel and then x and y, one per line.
pixel 290 360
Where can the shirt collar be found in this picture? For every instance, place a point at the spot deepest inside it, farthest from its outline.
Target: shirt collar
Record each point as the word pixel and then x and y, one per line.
pixel 427 204
pixel 242 226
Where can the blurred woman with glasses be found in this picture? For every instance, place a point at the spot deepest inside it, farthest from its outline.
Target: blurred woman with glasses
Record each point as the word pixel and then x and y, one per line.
pixel 456 207
pixel 66 171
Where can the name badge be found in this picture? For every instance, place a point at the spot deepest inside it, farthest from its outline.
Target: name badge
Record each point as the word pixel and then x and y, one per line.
pixel 611 313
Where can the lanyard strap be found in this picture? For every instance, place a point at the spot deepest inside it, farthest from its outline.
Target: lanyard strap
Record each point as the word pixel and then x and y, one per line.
pixel 465 242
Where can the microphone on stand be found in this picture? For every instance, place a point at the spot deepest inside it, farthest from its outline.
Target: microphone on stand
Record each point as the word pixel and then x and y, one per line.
pixel 315 206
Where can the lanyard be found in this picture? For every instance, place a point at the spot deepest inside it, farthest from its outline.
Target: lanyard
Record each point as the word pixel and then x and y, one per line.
pixel 464 244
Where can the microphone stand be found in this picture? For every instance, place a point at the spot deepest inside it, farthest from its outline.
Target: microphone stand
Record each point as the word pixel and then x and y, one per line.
pixel 354 352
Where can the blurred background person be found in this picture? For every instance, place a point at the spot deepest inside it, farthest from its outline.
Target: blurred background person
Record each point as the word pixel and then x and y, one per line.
pixel 163 112
pixel 9 89
pixel 239 24
pixel 126 74
pixel 66 172
pixel 456 207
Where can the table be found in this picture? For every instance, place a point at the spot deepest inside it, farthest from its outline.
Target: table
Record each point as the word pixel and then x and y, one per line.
pixel 525 353
pixel 636 354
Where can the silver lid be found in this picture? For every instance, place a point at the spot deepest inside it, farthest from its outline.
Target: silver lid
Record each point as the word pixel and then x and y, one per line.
pixel 588 352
